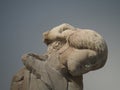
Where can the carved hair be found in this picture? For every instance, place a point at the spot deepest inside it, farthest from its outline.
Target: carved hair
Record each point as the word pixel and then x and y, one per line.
pixel 87 39
pixel 91 40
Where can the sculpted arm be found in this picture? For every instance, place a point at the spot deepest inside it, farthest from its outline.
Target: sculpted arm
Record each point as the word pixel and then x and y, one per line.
pixel 33 62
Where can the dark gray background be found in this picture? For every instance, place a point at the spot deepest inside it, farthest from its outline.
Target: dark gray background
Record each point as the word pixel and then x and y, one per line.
pixel 22 23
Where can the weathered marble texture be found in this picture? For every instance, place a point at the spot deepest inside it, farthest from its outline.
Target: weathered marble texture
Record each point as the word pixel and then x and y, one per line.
pixel 71 53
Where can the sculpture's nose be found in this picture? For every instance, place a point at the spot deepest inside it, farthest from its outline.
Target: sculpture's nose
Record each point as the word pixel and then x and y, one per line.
pixel 45 38
pixel 45 34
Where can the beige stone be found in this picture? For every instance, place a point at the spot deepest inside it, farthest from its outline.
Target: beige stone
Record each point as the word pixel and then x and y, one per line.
pixel 71 53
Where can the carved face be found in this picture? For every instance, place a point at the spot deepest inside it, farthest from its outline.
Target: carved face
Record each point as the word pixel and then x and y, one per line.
pixel 58 33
